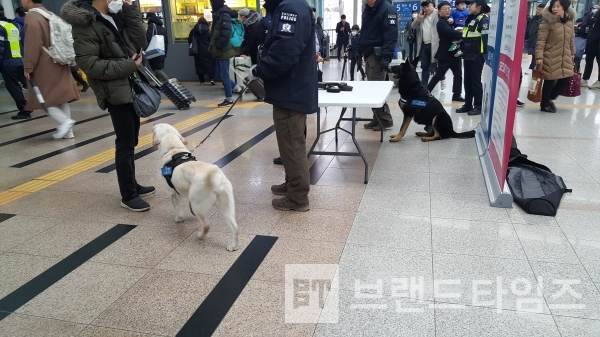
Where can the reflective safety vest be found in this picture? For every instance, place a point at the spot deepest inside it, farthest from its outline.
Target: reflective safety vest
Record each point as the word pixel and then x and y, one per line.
pixel 471 31
pixel 13 37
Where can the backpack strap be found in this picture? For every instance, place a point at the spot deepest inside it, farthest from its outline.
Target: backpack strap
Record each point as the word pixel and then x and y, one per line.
pixel 42 12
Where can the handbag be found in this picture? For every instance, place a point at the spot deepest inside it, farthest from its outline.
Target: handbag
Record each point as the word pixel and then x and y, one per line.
pixel 573 89
pixel 193 47
pixel 156 47
pixel 534 93
pixel 146 99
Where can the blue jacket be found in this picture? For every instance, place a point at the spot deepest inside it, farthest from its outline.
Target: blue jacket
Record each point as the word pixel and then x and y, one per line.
pixel 287 65
pixel 20 23
pixel 459 17
pixel 354 47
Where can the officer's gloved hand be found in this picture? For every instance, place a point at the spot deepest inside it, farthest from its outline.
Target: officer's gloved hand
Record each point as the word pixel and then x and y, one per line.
pixel 385 64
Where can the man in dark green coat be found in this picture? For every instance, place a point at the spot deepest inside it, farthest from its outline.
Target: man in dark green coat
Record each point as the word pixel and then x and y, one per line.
pixel 107 39
pixel 221 48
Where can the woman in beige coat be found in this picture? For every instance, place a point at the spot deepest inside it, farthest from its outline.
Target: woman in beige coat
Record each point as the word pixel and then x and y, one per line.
pixel 54 80
pixel 555 50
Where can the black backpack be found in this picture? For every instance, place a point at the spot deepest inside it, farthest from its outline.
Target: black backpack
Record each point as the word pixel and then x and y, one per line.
pixel 533 186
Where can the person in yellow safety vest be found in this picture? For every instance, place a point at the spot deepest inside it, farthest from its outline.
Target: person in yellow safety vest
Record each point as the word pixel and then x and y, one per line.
pixel 474 45
pixel 11 64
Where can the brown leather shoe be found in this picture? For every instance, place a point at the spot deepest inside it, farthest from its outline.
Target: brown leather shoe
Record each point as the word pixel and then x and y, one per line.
pixel 285 204
pixel 279 189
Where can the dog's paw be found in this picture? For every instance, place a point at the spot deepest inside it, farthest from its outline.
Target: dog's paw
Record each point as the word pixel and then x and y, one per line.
pixel 179 219
pixel 232 248
pixel 396 138
pixel 425 139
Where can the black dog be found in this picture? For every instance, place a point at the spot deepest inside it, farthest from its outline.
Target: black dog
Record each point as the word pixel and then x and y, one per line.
pixel 419 104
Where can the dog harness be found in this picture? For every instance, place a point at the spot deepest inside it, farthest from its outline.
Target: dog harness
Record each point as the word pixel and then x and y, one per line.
pixel 176 160
pixel 418 103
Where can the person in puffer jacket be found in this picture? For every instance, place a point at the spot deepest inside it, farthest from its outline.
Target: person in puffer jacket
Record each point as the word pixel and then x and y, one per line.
pixel 106 39
pixel 221 48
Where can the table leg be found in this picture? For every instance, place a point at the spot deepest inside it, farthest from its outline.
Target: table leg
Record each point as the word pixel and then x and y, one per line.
pixel 362 155
pixel 337 125
pixel 318 134
pixel 381 125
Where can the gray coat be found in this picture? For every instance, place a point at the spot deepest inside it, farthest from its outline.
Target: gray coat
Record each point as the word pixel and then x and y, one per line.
pixel 435 42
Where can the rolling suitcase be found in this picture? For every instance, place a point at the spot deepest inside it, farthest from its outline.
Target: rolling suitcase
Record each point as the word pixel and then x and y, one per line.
pixel 239 69
pixel 256 86
pixel 175 91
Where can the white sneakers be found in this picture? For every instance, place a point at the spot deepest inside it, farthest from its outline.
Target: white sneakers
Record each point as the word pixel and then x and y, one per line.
pixel 596 85
pixel 584 84
pixel 443 84
pixel 64 129
pixel 69 135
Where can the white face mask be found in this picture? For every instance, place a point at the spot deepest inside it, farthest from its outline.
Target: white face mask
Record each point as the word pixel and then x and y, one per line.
pixel 415 16
pixel 354 33
pixel 115 6
pixel 594 10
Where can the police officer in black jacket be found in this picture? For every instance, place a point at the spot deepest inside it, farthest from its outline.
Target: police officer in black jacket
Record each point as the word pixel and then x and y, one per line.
pixel 287 67
pixel 447 59
pixel 474 45
pixel 377 43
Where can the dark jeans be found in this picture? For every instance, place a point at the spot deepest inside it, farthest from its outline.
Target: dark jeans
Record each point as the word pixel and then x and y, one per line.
pixel 127 129
pixel 340 44
pixel 532 64
pixel 223 71
pixel 353 64
pixel 551 89
pixel 589 63
pixel 412 51
pixel 12 76
pixel 425 58
pixel 455 65
pixel 473 87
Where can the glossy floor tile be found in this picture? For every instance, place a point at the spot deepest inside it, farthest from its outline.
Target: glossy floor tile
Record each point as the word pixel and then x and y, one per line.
pixel 417 251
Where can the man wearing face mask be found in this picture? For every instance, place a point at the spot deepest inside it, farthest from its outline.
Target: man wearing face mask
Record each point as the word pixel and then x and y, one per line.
pixel 107 39
pixel 377 43
pixel 411 38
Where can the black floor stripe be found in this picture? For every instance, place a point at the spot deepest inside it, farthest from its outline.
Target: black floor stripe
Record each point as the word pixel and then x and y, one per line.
pixel 4 216
pixel 320 165
pixel 145 152
pixel 244 147
pixel 7 112
pixel 80 144
pixel 22 121
pixel 215 306
pixel 49 131
pixel 25 293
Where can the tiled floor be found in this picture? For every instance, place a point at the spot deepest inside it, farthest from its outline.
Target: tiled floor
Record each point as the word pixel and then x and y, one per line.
pixel 416 252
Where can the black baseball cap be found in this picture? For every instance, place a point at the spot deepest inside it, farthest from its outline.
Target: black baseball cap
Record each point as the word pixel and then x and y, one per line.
pixel 427 2
pixel 485 8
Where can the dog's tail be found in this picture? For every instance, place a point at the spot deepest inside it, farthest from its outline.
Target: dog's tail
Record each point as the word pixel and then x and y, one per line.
pixel 463 135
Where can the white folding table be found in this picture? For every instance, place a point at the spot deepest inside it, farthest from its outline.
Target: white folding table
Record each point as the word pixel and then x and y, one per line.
pixel 363 95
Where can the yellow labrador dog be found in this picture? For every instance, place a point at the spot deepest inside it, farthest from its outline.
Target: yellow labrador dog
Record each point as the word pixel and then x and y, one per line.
pixel 203 184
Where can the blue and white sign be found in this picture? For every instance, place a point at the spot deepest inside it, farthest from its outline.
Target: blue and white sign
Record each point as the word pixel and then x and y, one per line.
pixel 490 69
pixel 405 10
